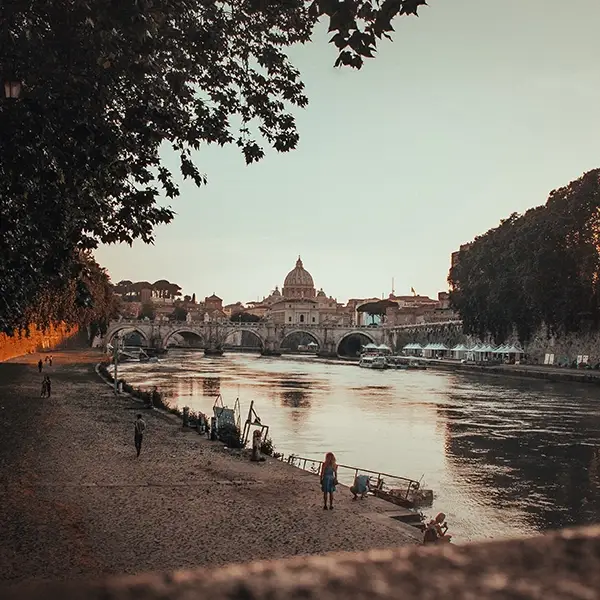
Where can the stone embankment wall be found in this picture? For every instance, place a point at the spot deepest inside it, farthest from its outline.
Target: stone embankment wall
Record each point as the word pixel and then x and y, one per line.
pixel 565 348
pixel 37 340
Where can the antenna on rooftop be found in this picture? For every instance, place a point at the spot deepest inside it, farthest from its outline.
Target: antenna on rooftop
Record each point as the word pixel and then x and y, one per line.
pixel 393 290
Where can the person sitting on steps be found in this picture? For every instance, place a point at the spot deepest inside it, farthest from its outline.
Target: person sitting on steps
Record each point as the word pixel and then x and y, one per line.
pixel 436 531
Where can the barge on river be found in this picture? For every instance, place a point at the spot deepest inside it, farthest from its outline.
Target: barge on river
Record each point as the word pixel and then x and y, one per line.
pixel 400 491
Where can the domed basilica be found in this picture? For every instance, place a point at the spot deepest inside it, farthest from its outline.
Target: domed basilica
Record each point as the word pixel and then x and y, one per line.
pixel 298 302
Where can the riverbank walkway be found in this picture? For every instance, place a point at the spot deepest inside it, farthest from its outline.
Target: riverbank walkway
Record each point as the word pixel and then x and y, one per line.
pixel 76 503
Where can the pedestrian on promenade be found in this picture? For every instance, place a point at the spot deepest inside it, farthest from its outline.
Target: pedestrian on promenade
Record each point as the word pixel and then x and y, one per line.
pixel 44 388
pixel 48 387
pixel 139 428
pixel 328 479
pixel 50 360
pixel 40 365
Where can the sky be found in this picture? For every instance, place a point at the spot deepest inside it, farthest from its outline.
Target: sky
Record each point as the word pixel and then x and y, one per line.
pixel 478 109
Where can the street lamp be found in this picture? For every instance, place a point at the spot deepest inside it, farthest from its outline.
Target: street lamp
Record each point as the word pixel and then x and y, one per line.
pixel 117 340
pixel 12 88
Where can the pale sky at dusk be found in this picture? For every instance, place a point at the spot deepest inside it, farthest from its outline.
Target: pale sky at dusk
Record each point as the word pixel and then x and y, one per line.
pixel 477 109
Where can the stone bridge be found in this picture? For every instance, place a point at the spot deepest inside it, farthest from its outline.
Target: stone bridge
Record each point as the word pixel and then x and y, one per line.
pixel 271 336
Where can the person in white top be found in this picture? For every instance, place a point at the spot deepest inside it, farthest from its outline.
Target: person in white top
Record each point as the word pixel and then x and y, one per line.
pixel 139 428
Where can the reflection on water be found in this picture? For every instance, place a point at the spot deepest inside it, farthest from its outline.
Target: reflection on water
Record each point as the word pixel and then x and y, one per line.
pixel 504 457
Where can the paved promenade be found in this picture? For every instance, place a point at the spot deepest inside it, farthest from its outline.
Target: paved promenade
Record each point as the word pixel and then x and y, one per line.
pixel 75 502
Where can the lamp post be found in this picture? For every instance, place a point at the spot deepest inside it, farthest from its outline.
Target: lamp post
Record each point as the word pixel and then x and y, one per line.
pixel 12 88
pixel 116 359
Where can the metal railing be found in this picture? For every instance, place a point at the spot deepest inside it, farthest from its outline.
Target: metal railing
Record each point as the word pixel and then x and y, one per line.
pixel 346 474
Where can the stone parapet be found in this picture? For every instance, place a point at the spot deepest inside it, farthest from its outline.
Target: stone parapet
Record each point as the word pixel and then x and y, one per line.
pixel 562 566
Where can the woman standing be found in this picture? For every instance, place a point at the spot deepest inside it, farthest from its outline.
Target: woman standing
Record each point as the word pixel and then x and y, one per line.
pixel 328 479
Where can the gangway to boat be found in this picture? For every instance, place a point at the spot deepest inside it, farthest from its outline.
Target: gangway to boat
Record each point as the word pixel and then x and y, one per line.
pixel 381 483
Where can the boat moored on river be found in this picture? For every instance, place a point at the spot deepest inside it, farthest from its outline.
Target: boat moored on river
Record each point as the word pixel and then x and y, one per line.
pixel 373 362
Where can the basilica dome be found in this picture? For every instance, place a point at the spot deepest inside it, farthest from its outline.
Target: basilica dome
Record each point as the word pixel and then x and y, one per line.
pixel 299 283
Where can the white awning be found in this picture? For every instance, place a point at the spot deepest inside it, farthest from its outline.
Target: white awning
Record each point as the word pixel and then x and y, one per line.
pixel 435 347
pixel 514 350
pixel 413 347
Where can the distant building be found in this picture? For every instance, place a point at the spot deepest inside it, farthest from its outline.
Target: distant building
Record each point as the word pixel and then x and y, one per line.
pixel 231 310
pixel 411 310
pixel 213 303
pixel 213 309
pixel 299 302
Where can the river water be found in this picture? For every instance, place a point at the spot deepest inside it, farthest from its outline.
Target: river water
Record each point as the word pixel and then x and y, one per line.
pixel 504 456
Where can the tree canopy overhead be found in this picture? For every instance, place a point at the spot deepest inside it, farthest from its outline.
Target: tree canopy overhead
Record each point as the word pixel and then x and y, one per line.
pixel 540 268
pixel 109 83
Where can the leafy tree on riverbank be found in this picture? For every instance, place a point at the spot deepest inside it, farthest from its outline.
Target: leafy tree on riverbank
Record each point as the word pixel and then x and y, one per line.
pixel 244 317
pixel 147 311
pixel 108 86
pixel 86 299
pixel 540 268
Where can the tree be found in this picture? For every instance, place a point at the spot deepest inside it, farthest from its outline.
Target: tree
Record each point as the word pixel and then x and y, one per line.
pixel 376 308
pixel 87 299
pixel 179 314
pixel 109 85
pixel 540 268
pixel 244 317
pixel 147 311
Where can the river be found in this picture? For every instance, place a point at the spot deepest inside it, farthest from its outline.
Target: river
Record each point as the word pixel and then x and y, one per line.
pixel 504 456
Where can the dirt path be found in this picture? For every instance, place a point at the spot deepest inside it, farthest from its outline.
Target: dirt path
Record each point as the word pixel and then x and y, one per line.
pixel 75 500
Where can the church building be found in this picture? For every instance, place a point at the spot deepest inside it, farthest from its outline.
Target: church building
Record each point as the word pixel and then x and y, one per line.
pixel 298 305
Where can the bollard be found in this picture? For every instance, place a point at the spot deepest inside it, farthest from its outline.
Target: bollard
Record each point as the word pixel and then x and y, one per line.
pixel 186 416
pixel 120 387
pixel 256 442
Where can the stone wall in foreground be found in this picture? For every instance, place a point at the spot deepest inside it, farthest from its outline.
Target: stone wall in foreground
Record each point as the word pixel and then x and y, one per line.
pixel 37 340
pixel 562 566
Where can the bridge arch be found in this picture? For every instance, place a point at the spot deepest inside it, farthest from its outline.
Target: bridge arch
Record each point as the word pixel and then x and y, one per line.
pixel 251 330
pixel 307 332
pixel 110 335
pixel 179 330
pixel 364 334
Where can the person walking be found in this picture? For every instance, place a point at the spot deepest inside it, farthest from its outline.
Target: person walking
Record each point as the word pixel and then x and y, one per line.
pixel 139 428
pixel 48 386
pixel 328 479
pixel 44 388
pixel 40 365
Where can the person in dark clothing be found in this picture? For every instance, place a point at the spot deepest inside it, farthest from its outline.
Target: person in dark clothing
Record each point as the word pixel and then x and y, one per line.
pixel 139 428
pixel 48 387
pixel 40 365
pixel 44 388
pixel 50 360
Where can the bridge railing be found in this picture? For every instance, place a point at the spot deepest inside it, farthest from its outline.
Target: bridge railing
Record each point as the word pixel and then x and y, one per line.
pixel 235 325
pixel 259 324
